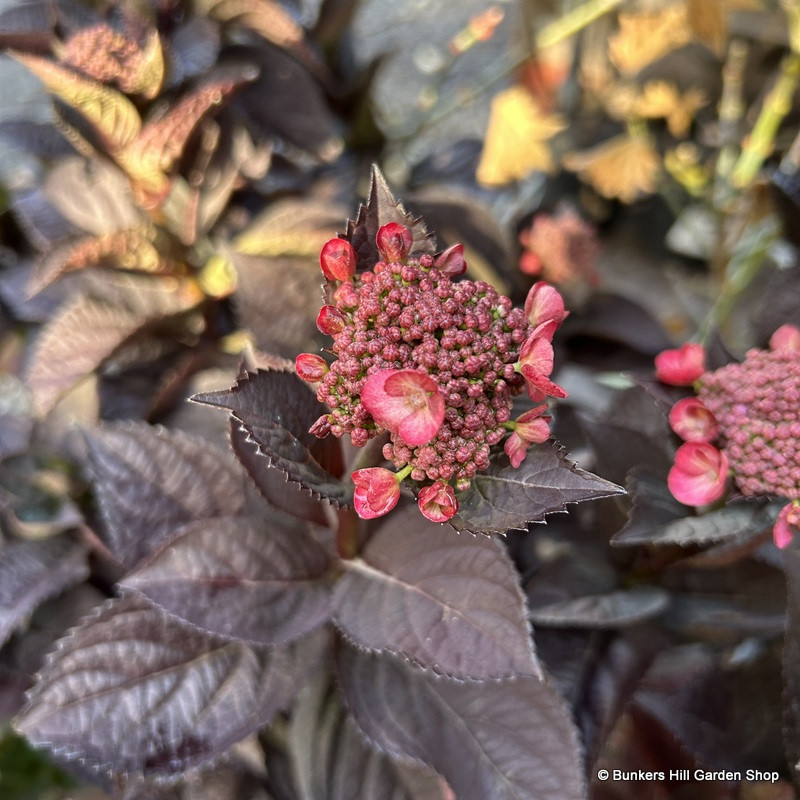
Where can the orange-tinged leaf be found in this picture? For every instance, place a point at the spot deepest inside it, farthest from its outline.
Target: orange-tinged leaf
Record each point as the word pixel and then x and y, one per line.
pixel 127 249
pixel 644 38
pixel 110 56
pixel 161 142
pixel 517 139
pixel 624 167
pixel 111 114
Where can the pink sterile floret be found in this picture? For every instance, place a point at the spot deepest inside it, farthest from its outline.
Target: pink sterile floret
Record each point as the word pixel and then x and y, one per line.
pixel 530 428
pixel 437 502
pixel 699 474
pixel 692 421
pixel 544 304
pixel 406 402
pixel 787 524
pixel 787 337
pixel 681 367
pixel 377 491
pixel 310 367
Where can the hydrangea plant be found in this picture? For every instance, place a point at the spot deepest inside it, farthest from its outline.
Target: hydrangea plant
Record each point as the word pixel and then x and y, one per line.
pixel 741 430
pixel 434 362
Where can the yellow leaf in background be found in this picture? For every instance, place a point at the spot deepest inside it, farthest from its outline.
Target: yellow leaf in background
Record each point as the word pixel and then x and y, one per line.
pixel 111 114
pixel 148 73
pixel 624 167
pixel 662 100
pixel 708 21
pixel 644 38
pixel 517 138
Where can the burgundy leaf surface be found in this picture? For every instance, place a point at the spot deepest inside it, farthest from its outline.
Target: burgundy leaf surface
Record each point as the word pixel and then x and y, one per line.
pixel 332 761
pixel 512 740
pixel 380 209
pixel 243 578
pixel 503 498
pixel 133 690
pixel 609 610
pixel 150 481
pixel 272 483
pixel 791 665
pixel 33 571
pixel 451 603
pixel 276 409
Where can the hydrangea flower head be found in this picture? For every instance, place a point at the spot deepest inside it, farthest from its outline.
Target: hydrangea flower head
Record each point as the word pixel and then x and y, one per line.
pixel 432 360
pixel 743 425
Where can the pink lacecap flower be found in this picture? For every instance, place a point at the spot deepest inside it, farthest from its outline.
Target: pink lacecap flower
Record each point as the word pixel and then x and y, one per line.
pixel 438 502
pixel 699 474
pixel 394 241
pixel 310 367
pixel 406 402
pixel 451 261
pixel 377 491
pixel 338 260
pixel 692 421
pixel 681 367
pixel 531 427
pixel 544 304
pixel 787 524
pixel 330 321
pixel 787 337
pixel 536 363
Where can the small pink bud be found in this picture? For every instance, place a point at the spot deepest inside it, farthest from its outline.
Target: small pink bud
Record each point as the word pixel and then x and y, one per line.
pixel 377 492
pixel 692 421
pixel 322 427
pixel 438 502
pixel 338 260
pixel 451 261
pixel 330 320
pixel 346 296
pixel 787 337
pixel 544 304
pixel 310 367
pixel 787 524
pixel 406 402
pixel 394 241
pixel 699 474
pixel 681 367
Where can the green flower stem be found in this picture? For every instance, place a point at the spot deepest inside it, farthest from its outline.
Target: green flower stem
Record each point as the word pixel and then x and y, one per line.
pixel 574 21
pixel 777 105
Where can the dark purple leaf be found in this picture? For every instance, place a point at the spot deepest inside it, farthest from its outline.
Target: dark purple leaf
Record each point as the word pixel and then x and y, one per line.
pixel 89 329
pixel 287 103
pixel 219 783
pixel 27 25
pixel 611 610
pixel 150 481
pixel 277 300
pixel 273 484
pixel 242 578
pixel 42 223
pixel 451 603
pixel 276 409
pixel 619 319
pixel 31 572
pixel 653 508
pixel 41 139
pixel 133 690
pixel 503 497
pixel 381 208
pixel 193 49
pixel 15 434
pixel 332 761
pixel 724 524
pixel 512 740
pixel 725 715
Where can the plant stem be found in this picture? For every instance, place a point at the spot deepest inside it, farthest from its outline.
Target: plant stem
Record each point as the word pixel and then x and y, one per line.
pixel 573 22
pixel 777 105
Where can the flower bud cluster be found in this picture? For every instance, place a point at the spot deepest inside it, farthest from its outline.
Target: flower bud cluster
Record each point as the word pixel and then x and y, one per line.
pixel 743 425
pixel 434 361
